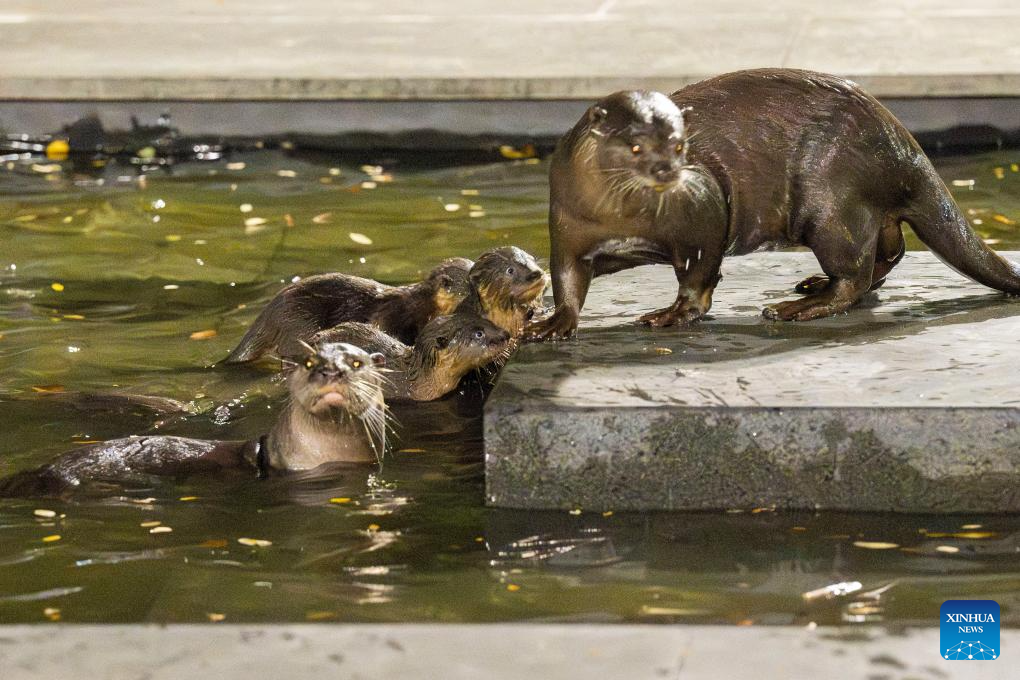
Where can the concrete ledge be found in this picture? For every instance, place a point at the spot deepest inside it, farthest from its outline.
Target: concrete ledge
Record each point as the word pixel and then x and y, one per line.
pixel 910 403
pixel 400 88
pixel 494 652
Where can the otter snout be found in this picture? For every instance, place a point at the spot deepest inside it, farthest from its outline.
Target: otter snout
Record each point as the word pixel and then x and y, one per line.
pixel 499 337
pixel 535 275
pixel 663 171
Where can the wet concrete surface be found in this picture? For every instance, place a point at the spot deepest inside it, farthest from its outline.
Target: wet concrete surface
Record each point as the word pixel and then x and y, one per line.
pixel 498 652
pixel 911 402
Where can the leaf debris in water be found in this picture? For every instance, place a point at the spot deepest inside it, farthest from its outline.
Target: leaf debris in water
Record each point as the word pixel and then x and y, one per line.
pixel 876 545
pixel 51 539
pixel 255 542
pixel 203 335
pixel 48 389
pixel 322 218
pixel 149 525
pixel 215 617
pixel 57 286
pixel 340 501
pixel 360 238
pixel 41 512
pixel 160 530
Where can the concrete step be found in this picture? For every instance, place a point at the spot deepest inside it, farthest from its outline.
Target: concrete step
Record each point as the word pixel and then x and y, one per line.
pixel 911 402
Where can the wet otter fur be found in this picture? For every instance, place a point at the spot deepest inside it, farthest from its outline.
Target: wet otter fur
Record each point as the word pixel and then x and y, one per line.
pixel 316 303
pixel 336 413
pixel 800 158
pixel 447 349
pixel 506 288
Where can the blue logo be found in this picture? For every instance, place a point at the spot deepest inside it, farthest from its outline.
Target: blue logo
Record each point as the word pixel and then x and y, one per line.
pixel 970 630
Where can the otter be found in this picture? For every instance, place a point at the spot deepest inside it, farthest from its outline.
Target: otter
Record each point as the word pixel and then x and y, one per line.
pixel 506 288
pixel 319 302
pixel 336 414
pixel 796 157
pixel 447 349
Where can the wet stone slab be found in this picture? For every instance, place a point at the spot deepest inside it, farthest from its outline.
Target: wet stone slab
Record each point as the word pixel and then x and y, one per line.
pixel 909 403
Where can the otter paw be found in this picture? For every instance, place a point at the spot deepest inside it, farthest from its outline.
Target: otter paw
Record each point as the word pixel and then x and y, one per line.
pixel 670 316
pixel 813 284
pixel 558 326
pixel 805 309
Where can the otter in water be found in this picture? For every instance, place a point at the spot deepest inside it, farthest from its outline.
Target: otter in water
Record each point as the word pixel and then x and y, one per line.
pixel 336 414
pixel 784 158
pixel 506 288
pixel 447 349
pixel 316 303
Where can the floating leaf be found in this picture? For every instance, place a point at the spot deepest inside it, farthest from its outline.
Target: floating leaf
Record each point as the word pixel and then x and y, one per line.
pixel 255 542
pixel 322 218
pixel 340 501
pixel 526 151
pixel 46 514
pixel 360 238
pixel 513 587
pixel 59 287
pixel 51 539
pixel 48 389
pixel 963 534
pixel 215 617
pixel 1003 219
pixel 150 524
pixel 160 530
pixel 203 335
pixel 286 173
pixel 876 545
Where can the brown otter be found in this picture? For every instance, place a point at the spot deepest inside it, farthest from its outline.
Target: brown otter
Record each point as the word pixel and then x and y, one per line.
pixel 801 158
pixel 447 349
pixel 316 303
pixel 336 414
pixel 506 288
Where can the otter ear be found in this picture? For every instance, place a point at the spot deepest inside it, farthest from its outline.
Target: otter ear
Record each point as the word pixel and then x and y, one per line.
pixel 596 116
pixel 475 276
pixel 445 281
pixel 442 342
pixel 378 360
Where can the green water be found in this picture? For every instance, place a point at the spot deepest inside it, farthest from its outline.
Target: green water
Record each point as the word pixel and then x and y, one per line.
pixel 140 267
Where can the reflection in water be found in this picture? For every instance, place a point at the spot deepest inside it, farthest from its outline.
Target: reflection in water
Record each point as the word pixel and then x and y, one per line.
pixel 126 268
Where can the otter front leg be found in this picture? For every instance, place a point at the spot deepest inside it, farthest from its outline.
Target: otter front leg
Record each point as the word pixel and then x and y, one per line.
pixel 698 274
pixel 571 279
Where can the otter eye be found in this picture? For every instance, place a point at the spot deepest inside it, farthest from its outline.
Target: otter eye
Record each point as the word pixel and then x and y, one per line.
pixel 479 334
pixel 510 271
pixel 356 364
pixel 636 149
pixel 679 147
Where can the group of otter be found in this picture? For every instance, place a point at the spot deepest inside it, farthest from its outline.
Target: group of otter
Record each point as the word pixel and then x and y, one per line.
pixel 742 162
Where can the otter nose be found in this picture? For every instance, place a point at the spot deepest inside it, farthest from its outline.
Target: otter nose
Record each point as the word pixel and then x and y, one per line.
pixel 333 372
pixel 534 275
pixel 663 171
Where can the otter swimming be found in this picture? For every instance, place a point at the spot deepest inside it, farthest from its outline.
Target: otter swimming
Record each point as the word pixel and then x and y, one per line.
pixel 446 350
pixel 316 303
pixel 797 158
pixel 336 414
pixel 506 288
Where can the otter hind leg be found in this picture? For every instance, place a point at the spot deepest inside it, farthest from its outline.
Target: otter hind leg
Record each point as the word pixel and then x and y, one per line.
pixel 848 257
pixel 889 251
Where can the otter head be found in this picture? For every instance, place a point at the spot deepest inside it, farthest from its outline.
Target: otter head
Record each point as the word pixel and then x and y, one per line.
pixel 637 139
pixel 507 277
pixel 455 344
pixel 450 284
pixel 334 378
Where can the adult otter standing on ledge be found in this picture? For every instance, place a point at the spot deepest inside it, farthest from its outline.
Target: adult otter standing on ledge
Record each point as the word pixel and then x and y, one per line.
pixel 801 158
pixel 316 303
pixel 336 414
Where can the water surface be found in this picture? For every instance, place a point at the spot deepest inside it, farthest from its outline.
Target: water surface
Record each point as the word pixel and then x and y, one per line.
pixel 105 277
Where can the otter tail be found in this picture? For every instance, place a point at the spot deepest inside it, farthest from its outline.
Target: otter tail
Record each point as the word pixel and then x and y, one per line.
pixel 940 224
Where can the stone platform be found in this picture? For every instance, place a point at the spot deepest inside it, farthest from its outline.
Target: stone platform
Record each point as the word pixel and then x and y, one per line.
pixel 909 403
